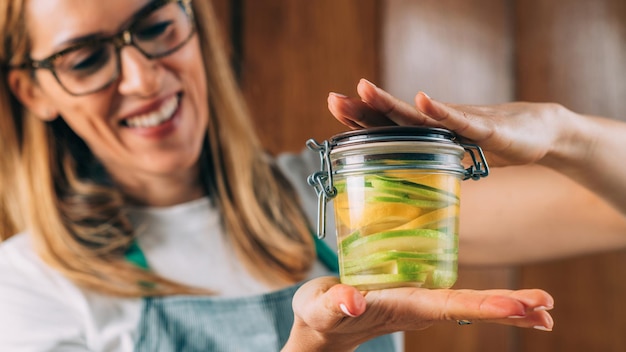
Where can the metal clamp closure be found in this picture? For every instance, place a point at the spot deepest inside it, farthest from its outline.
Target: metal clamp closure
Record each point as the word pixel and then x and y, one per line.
pixel 479 168
pixel 322 181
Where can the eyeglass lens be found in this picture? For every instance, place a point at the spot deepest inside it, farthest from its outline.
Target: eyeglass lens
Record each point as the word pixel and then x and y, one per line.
pixel 93 66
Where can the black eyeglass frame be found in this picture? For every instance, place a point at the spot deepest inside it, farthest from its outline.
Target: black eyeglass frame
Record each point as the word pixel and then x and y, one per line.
pixel 119 40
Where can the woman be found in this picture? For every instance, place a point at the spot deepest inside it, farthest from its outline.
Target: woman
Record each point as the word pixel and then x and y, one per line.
pixel 139 212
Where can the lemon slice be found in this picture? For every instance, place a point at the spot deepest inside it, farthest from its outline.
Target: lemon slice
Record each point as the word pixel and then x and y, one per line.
pixel 436 219
pixel 377 216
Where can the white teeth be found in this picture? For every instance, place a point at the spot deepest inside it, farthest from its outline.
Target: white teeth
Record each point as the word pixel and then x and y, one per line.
pixel 155 118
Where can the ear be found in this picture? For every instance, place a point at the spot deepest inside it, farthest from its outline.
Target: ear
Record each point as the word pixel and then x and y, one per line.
pixel 30 94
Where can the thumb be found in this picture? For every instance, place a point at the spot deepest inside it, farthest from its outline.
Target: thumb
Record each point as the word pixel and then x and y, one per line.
pixel 323 302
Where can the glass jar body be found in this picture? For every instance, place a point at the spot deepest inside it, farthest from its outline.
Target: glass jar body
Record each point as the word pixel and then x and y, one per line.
pixel 397 215
pixel 396 196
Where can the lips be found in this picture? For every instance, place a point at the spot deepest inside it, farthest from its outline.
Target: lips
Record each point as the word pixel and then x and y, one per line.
pixel 154 118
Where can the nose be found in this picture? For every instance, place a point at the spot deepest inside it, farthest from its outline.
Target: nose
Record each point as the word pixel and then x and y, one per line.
pixel 139 75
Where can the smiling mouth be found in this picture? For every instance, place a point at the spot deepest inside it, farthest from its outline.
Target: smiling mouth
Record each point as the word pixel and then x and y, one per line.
pixel 155 118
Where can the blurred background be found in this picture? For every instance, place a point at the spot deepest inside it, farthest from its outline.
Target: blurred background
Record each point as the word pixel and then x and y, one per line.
pixel 289 54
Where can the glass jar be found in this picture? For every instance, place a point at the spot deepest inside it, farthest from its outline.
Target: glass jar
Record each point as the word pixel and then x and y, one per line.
pixel 396 198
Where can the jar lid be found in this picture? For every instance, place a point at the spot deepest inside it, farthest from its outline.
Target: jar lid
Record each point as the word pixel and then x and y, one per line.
pixel 393 133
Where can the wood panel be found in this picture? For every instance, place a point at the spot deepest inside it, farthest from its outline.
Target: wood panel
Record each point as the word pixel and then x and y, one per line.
pixel 455 50
pixel 589 294
pixel 294 54
pixel 574 52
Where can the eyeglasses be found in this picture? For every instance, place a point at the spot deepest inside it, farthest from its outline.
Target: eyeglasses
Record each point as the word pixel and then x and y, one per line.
pixel 158 30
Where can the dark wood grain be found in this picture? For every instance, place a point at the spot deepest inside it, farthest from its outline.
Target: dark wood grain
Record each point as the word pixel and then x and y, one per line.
pixel 572 52
pixel 294 54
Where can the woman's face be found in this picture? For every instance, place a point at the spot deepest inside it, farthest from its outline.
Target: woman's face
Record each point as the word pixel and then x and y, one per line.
pixel 151 121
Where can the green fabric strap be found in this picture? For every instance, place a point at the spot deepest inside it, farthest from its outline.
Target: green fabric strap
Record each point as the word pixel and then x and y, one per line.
pixel 135 255
pixel 326 255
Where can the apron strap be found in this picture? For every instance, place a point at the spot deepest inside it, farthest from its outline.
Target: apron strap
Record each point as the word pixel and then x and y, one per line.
pixel 135 255
pixel 327 256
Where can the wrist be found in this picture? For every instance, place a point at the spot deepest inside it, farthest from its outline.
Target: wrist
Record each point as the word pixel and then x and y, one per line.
pixel 574 136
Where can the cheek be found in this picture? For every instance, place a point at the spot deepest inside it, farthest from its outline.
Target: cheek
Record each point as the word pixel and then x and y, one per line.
pixel 86 112
pixel 195 86
pixel 87 117
pixel 193 68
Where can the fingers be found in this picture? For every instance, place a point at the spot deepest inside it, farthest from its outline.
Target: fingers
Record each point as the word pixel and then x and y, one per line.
pixel 531 298
pixel 455 120
pixel 375 108
pixel 355 113
pixel 536 303
pixel 413 307
pixel 538 319
pixel 464 304
pixel 396 110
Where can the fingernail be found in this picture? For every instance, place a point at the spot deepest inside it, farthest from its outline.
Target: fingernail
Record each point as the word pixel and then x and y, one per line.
pixel 540 308
pixel 542 328
pixel 338 95
pixel 426 95
pixel 516 317
pixel 345 310
pixel 368 82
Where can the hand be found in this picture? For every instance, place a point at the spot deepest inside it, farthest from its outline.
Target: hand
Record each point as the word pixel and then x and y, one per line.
pixel 328 313
pixel 510 134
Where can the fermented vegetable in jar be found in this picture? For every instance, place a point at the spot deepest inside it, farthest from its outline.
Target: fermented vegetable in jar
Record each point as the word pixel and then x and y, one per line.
pixel 396 198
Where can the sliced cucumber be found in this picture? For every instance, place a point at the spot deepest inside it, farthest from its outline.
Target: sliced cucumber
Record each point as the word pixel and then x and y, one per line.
pixel 414 240
pixel 441 279
pixel 378 281
pixel 389 232
pixel 411 189
pixel 390 266
pixel 351 238
pixel 420 203
pixel 376 260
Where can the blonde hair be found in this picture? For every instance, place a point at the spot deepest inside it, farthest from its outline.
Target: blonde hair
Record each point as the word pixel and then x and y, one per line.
pixel 79 225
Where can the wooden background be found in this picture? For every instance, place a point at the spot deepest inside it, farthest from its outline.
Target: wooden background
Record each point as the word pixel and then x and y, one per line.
pixel 291 53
